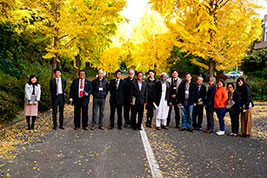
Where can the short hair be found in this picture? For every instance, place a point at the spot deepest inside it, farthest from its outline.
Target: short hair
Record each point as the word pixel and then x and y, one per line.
pixel 213 78
pixel 150 70
pixel 231 83
pixel 200 77
pixel 117 71
pixel 174 70
pixel 57 69
pixel 81 71
pixel 131 70
pixel 221 80
pixel 187 73
pixel 139 73
pixel 100 70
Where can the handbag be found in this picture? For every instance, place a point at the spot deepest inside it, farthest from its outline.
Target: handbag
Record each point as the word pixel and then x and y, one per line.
pixel 230 105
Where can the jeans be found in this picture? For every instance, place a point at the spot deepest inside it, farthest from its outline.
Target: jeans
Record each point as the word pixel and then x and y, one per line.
pixel 98 103
pixel 187 113
pixel 220 114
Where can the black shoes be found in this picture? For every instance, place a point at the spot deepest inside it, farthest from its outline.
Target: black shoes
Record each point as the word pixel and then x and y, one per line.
pixel 189 130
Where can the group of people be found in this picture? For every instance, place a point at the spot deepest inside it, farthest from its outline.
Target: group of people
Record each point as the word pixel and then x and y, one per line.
pixel 158 96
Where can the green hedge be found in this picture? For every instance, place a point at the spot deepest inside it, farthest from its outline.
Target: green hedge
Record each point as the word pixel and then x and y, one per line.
pixel 259 89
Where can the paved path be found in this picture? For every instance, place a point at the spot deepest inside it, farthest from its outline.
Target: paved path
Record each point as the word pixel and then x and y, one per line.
pixel 121 154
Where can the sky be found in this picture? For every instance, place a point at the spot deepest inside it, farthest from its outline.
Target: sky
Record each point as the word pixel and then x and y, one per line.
pixel 135 8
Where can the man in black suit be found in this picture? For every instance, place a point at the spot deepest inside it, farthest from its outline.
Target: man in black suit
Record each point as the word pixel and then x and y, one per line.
pixel 175 82
pixel 80 91
pixel 57 87
pixel 209 103
pixel 187 96
pixel 198 109
pixel 139 100
pixel 116 88
pixel 127 98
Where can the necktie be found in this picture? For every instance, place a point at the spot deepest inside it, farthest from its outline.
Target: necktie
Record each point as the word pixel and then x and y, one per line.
pixel 199 88
pixel 57 87
pixel 81 87
pixel 117 86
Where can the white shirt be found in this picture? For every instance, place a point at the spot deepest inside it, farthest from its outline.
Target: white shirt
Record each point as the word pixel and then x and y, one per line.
pixel 80 89
pixel 117 81
pixel 58 80
pixel 140 85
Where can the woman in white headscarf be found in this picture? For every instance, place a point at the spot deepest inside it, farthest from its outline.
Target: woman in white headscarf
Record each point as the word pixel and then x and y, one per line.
pixel 162 100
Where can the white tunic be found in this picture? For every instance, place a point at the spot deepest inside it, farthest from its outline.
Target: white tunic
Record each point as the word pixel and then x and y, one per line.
pixel 163 108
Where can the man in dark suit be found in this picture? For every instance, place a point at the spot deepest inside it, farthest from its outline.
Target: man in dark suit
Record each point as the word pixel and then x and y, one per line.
pixel 175 82
pixel 80 91
pixel 209 103
pixel 116 88
pixel 198 109
pixel 57 87
pixel 127 98
pixel 187 96
pixel 139 100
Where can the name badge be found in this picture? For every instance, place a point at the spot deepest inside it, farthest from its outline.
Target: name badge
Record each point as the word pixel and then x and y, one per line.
pixel 186 92
pixel 174 88
pixel 100 88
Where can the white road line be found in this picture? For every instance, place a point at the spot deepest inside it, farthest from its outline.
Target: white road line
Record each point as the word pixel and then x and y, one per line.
pixel 154 167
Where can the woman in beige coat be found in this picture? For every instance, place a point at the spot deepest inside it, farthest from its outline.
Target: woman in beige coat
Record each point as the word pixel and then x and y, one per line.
pixel 32 97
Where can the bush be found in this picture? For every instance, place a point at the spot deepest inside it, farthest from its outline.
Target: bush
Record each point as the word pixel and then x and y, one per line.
pixel 259 90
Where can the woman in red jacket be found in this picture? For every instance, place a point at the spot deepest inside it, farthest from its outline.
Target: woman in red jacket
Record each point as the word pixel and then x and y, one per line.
pixel 220 102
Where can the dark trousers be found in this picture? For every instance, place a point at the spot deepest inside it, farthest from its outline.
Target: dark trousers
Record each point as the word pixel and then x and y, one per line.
pixel 198 116
pixel 177 114
pixel 234 115
pixel 210 120
pixel 127 108
pixel 113 107
pixel 98 103
pixel 220 114
pixel 28 118
pixel 59 101
pixel 138 109
pixel 77 114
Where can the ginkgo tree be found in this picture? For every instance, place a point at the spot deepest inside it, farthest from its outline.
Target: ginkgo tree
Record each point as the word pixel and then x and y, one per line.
pixel 78 29
pixel 150 43
pixel 219 31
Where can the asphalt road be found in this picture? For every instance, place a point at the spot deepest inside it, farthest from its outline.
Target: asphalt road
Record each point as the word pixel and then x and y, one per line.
pixel 120 154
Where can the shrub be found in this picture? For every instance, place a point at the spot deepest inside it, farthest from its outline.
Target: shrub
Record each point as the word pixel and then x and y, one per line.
pixel 259 90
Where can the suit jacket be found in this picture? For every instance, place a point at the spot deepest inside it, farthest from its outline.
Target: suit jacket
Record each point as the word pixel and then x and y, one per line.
pixel 236 107
pixel 53 88
pixel 202 93
pixel 209 102
pixel 74 89
pixel 127 90
pixel 140 96
pixel 158 93
pixel 116 95
pixel 192 93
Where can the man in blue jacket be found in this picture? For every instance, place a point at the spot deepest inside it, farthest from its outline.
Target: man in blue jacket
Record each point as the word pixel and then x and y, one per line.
pixel 100 91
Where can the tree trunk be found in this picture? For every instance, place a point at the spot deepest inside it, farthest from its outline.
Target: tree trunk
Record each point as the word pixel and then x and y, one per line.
pixel 56 38
pixel 211 67
pixel 78 64
pixel 54 65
